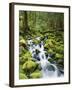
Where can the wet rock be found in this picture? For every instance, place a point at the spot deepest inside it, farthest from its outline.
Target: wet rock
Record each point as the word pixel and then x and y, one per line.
pixel 60 69
pixel 51 68
pixel 46 54
pixel 40 45
pixel 36 57
pixel 60 61
pixel 51 60
pixel 37 51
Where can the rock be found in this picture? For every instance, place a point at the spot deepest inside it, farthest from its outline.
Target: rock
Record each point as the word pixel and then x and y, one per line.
pixel 51 68
pixel 51 53
pixel 29 66
pixel 46 54
pixel 58 56
pixel 37 51
pixel 60 62
pixel 60 69
pixel 22 41
pixel 22 76
pixel 50 60
pixel 36 57
pixel 36 74
pixel 39 67
pixel 27 56
pixel 59 49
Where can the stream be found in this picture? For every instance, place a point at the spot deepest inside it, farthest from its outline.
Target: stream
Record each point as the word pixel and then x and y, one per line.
pixel 38 53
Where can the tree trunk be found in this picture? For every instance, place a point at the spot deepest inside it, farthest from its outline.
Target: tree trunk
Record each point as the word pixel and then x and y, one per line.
pixel 26 28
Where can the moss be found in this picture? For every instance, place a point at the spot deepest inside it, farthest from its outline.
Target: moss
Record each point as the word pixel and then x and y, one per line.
pixel 58 56
pixel 51 51
pixel 36 74
pixel 22 76
pixel 29 66
pixel 49 43
pixel 25 57
pixel 22 40
pixel 21 69
pixel 35 41
pixel 59 49
pixel 46 46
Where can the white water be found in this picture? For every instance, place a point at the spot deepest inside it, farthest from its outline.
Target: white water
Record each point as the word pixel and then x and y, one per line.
pixel 48 69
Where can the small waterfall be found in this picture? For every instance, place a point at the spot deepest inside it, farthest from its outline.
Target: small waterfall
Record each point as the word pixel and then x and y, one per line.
pixel 48 69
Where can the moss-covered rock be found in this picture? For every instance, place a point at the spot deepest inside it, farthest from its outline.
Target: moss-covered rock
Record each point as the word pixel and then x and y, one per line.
pixel 49 43
pixel 22 76
pixel 58 56
pixel 21 69
pixel 59 49
pixel 25 57
pixel 22 41
pixel 51 52
pixel 29 66
pixel 36 74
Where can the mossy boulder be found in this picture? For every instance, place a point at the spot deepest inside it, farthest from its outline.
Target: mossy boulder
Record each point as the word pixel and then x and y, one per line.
pixel 51 52
pixel 29 66
pixel 25 57
pixel 22 41
pixel 36 74
pixel 60 49
pixel 49 43
pixel 21 69
pixel 59 56
pixel 22 76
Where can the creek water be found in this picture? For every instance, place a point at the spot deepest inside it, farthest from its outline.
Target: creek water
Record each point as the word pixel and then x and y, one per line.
pixel 38 53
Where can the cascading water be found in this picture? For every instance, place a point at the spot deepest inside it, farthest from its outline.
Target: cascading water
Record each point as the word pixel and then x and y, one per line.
pixel 48 69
